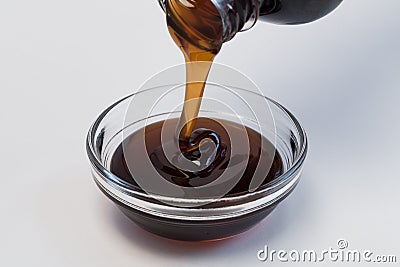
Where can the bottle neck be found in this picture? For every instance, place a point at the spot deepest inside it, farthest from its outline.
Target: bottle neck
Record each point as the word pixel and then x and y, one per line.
pixel 237 15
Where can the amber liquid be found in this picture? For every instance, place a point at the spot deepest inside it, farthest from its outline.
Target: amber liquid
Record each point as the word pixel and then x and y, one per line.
pixel 197 30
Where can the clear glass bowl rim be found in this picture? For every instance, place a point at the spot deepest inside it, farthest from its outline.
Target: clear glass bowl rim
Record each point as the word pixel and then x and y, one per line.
pixel 132 190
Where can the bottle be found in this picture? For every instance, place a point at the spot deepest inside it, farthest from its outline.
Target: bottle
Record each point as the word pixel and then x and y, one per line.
pixel 241 15
pixel 200 27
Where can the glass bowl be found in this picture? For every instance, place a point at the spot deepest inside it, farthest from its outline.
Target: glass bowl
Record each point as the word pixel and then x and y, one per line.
pixel 211 219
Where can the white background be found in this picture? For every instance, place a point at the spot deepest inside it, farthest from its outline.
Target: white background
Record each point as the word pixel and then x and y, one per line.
pixel 63 62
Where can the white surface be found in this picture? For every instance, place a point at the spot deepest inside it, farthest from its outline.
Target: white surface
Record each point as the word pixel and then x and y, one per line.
pixel 63 62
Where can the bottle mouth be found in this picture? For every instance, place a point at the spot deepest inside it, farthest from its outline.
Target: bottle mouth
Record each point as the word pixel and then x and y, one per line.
pixel 194 24
pixel 291 142
pixel 233 19
pixel 237 19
